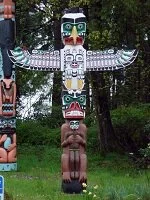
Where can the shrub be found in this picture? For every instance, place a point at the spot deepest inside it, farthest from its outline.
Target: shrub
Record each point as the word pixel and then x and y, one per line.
pixel 142 158
pixel 145 155
pixel 33 133
pixel 131 126
pixel 90 119
pixel 53 120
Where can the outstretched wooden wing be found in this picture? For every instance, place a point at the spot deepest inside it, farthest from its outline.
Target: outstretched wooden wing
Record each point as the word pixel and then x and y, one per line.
pixel 39 60
pixel 109 60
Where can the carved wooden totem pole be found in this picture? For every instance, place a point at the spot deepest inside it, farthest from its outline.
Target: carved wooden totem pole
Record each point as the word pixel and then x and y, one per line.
pixel 7 88
pixel 73 60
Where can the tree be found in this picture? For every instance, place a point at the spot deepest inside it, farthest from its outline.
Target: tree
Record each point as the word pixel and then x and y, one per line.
pixel 109 28
pixel 35 25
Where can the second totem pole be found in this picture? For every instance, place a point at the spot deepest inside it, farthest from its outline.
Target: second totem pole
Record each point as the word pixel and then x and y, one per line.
pixel 7 88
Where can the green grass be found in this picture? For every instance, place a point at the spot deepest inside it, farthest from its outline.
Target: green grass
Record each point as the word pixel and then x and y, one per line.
pixel 38 177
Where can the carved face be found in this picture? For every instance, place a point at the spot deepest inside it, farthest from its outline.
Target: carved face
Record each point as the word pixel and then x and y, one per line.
pixel 74 105
pixel 74 124
pixel 73 63
pixel 73 28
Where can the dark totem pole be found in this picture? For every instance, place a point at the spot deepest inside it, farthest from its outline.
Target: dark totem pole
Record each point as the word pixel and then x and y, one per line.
pixel 73 60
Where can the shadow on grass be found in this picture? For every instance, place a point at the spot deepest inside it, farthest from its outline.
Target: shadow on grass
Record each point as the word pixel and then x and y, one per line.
pixel 7 196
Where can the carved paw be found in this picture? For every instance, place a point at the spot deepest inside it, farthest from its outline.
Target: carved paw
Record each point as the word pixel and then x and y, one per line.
pixel 70 139
pixel 66 177
pixel 82 177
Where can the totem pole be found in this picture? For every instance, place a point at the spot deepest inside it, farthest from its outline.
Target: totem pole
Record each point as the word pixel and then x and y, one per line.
pixel 73 60
pixel 7 88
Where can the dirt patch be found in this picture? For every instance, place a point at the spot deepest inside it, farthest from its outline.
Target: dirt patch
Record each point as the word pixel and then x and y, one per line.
pixel 7 196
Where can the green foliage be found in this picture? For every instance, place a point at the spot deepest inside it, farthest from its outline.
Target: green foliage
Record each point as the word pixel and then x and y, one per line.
pixel 145 153
pixel 53 120
pixel 92 139
pixel 78 3
pixel 31 27
pixel 34 30
pixel 142 158
pixel 130 126
pixel 90 119
pixel 147 128
pixel 123 24
pixel 31 132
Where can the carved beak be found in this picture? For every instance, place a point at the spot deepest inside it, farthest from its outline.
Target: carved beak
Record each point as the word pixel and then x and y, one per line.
pixel 74 34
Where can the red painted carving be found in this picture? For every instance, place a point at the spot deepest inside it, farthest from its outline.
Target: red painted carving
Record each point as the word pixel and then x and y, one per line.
pixel 70 41
pixel 74 111
pixel 7 97
pixel 7 9
pixel 7 148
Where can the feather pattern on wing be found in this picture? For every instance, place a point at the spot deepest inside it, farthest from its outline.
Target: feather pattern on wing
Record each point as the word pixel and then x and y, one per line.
pixel 38 60
pixel 109 60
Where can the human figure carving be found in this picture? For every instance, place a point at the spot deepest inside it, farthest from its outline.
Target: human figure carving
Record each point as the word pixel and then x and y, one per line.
pixel 74 160
pixel 8 148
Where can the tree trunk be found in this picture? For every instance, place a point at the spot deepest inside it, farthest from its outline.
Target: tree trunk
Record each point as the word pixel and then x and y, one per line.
pixel 107 139
pixel 57 76
pixel 106 136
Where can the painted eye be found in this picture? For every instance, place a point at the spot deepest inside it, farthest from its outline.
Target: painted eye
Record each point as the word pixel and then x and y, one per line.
pixel 68 26
pixel 80 26
pixel 67 99
pixel 81 99
pixel 79 58
pixel 69 58
pixel 77 123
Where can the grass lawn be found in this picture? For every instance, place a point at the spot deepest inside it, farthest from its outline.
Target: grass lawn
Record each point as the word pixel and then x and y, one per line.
pixel 38 177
